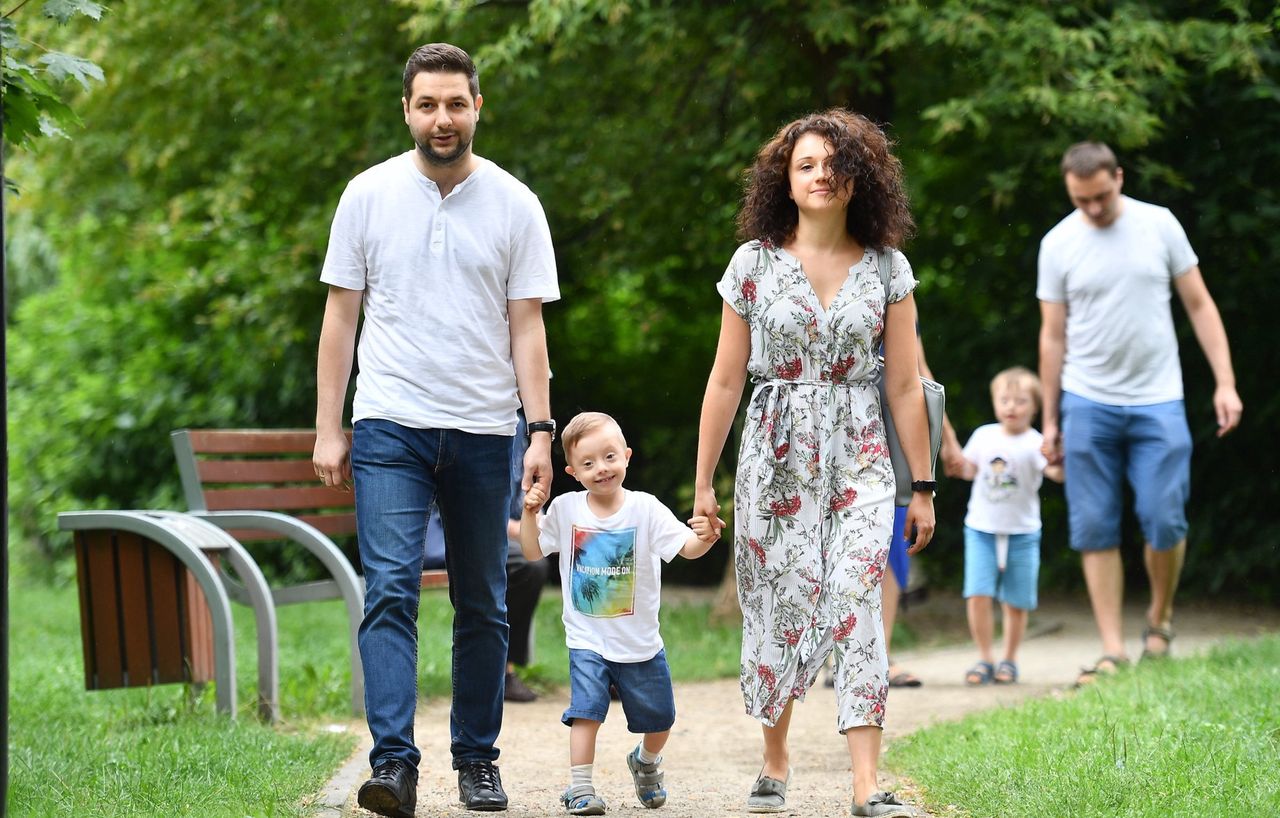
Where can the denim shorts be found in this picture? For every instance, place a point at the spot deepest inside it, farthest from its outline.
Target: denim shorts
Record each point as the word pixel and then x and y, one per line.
pixel 1104 445
pixel 644 689
pixel 1016 584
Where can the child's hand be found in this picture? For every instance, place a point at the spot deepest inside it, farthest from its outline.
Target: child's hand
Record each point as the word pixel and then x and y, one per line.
pixel 534 499
pixel 704 529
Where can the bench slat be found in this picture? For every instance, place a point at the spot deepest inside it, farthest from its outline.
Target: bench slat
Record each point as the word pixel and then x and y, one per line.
pixel 257 471
pixel 252 441
pixel 334 525
pixel 277 499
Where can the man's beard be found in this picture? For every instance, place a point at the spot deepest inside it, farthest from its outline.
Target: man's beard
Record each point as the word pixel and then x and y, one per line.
pixel 444 159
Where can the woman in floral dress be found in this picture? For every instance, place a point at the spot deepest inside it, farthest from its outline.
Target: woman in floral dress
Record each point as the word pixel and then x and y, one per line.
pixel 804 315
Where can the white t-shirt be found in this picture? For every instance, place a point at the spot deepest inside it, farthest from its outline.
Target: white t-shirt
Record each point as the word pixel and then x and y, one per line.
pixel 1115 281
pixel 611 571
pixel 435 350
pixel 1005 498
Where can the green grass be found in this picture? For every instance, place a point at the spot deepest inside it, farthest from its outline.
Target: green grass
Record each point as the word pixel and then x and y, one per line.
pixel 146 751
pixel 163 751
pixel 1189 737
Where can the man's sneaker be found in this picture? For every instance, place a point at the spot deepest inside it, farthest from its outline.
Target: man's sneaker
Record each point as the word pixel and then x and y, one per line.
pixel 392 790
pixel 517 691
pixel 648 780
pixel 582 800
pixel 480 787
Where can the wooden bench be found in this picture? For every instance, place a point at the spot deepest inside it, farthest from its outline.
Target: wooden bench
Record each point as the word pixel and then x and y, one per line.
pixel 154 607
pixel 260 485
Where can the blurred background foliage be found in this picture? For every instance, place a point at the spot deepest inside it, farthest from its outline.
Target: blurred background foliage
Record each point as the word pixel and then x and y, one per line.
pixel 163 261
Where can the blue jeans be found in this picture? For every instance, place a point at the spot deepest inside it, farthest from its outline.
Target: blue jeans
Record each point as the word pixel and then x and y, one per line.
pixel 399 474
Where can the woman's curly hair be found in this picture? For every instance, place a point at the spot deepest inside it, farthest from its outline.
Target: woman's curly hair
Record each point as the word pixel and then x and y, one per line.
pixel 879 213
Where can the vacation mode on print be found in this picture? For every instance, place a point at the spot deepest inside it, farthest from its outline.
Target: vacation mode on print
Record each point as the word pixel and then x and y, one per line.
pixel 604 575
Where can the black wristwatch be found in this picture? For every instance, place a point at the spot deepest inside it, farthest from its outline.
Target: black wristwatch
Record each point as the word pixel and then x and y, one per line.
pixel 924 485
pixel 542 426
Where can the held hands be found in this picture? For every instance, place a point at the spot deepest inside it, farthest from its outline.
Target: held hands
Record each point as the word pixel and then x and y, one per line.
pixel 705 505
pixel 534 499
pixel 706 532
pixel 1051 447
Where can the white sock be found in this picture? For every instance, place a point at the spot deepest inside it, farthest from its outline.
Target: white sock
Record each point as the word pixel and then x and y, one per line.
pixel 580 775
pixel 645 756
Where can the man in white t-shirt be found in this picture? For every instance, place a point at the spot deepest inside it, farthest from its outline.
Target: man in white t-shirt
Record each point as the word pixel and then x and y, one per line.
pixel 451 259
pixel 1113 401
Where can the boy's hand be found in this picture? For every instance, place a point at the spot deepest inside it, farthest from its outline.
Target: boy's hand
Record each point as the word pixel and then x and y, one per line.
pixel 704 529
pixel 534 498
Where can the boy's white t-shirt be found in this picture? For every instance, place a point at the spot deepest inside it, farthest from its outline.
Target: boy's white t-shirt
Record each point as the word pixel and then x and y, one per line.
pixel 1005 498
pixel 435 349
pixel 611 571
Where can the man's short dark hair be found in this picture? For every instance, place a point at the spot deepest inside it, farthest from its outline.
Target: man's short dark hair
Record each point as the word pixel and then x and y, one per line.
pixel 1084 159
pixel 440 58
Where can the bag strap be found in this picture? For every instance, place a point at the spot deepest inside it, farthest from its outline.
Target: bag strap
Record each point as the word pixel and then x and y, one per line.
pixel 883 259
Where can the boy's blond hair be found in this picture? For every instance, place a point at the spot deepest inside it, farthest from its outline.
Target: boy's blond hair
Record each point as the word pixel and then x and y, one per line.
pixel 1018 376
pixel 582 423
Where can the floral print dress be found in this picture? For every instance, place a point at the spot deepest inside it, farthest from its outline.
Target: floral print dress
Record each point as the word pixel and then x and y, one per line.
pixel 813 500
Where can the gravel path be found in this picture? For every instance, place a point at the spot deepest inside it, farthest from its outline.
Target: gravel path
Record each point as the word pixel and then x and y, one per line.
pixel 714 751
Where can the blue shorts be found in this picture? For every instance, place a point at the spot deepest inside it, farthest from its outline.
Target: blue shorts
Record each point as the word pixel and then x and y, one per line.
pixel 898 559
pixel 1016 584
pixel 1103 445
pixel 644 688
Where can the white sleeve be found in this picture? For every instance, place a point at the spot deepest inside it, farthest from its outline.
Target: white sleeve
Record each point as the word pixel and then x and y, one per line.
pixel 533 259
pixel 902 279
pixel 1051 284
pixel 667 535
pixel 344 261
pixel 1181 257
pixel 553 525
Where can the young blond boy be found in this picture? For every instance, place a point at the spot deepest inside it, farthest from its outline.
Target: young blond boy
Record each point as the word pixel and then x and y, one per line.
pixel 611 543
pixel 1002 526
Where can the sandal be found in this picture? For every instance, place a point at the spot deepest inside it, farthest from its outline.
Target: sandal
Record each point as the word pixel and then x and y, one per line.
pixel 979 674
pixel 882 805
pixel 768 794
pixel 1006 673
pixel 1158 632
pixel 1105 666
pixel 903 678
pixel 582 800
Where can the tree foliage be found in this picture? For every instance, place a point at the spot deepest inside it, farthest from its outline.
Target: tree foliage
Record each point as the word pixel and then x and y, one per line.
pixel 186 233
pixel 29 86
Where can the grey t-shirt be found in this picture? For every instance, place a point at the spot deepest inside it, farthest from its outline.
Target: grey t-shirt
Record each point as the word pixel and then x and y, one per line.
pixel 435 349
pixel 1116 283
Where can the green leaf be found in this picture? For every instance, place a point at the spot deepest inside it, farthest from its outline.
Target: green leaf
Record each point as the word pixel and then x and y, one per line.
pixel 60 66
pixel 64 10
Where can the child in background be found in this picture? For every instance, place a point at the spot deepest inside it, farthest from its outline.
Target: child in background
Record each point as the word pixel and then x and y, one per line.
pixel 1002 526
pixel 611 543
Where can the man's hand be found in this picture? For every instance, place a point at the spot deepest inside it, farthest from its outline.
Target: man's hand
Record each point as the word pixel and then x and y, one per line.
pixel 1228 407
pixel 1051 447
pixel 332 459
pixel 537 463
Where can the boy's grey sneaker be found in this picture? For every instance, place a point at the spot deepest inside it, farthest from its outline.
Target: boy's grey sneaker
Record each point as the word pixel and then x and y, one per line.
pixel 648 780
pixel 582 800
pixel 882 805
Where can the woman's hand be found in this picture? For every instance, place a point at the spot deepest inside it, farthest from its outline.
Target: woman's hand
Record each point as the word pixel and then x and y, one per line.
pixel 920 520
pixel 705 505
